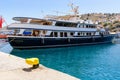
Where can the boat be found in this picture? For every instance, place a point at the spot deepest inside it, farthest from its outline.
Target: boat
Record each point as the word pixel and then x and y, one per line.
pixel 3 38
pixel 46 33
pixel 3 35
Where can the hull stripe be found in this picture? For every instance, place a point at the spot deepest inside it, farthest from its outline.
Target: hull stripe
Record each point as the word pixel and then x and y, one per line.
pixel 50 46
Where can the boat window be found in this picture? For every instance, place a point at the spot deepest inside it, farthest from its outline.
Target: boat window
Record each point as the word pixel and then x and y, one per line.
pixel 87 34
pixel 51 35
pixel 44 32
pixel 87 26
pixel 27 32
pixel 90 26
pixel 61 34
pixel 71 33
pixel 81 26
pixel 65 34
pixel 66 24
pixel 94 26
pixel 83 34
pixel 16 31
pixel 55 34
pixel 78 34
pixel 36 33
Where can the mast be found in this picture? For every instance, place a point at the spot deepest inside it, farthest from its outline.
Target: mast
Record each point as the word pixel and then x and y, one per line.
pixel 75 10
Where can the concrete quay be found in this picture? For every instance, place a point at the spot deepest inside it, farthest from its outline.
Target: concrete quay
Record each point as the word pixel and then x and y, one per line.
pixel 15 68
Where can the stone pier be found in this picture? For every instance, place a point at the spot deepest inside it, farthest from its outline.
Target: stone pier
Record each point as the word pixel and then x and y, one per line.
pixel 15 68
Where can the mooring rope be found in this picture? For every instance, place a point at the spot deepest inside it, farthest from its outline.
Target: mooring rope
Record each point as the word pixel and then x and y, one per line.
pixel 11 41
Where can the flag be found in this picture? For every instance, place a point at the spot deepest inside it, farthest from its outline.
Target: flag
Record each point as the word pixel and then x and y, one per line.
pixel 1 21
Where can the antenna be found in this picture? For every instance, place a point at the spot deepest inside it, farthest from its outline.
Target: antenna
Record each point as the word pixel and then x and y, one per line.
pixel 74 8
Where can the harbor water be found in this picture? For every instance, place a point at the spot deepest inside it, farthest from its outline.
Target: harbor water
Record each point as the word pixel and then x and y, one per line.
pixel 5 47
pixel 93 62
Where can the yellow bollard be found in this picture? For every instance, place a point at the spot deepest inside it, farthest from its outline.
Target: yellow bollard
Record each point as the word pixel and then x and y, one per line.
pixel 33 61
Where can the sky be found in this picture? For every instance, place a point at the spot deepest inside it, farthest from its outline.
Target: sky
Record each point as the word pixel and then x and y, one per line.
pixel 41 8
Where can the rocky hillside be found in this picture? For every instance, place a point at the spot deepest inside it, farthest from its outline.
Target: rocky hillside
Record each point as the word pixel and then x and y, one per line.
pixel 107 20
pixel 111 20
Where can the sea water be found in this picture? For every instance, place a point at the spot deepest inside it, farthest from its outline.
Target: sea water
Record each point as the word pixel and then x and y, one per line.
pixel 92 62
pixel 5 47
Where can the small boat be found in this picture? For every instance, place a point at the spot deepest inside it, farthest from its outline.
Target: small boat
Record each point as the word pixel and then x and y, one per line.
pixel 44 33
pixel 3 35
pixel 3 38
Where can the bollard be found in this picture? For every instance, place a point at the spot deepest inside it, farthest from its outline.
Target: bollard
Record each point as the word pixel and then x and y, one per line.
pixel 33 61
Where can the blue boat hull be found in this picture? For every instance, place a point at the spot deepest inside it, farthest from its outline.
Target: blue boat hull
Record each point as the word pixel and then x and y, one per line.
pixel 40 42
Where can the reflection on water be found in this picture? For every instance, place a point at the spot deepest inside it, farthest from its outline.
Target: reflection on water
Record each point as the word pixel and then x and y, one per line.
pixel 116 41
pixel 95 62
